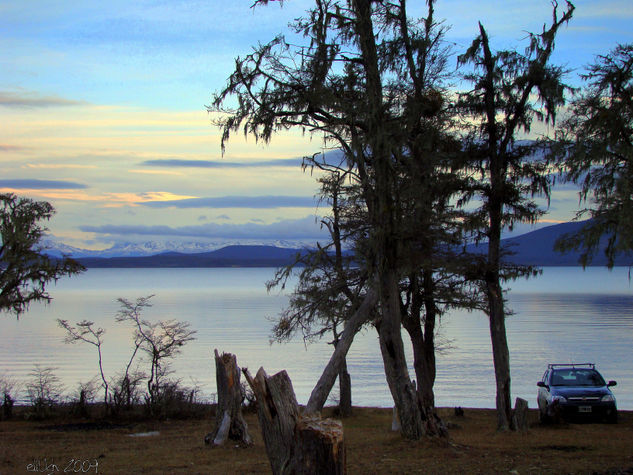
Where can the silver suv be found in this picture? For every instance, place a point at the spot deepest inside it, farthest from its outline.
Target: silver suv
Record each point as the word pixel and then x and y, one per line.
pixel 574 391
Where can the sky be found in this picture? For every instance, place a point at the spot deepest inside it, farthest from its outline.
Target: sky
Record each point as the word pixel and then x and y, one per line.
pixel 102 106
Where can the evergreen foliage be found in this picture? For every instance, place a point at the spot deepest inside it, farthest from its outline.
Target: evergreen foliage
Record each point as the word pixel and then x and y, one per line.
pixel 596 151
pixel 25 270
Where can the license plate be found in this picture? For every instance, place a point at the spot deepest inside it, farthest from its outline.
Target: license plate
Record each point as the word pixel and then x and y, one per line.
pixel 584 409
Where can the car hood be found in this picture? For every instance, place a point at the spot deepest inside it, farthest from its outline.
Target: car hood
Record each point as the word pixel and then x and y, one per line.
pixel 571 391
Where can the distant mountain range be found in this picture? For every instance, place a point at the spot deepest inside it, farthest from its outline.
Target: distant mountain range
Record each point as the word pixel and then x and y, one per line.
pixel 537 248
pixel 534 248
pixel 230 256
pixel 153 248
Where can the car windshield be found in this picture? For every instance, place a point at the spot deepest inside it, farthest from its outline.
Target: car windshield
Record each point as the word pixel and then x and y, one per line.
pixel 577 377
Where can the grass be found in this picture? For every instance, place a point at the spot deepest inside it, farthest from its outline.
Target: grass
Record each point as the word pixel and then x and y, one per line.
pixel 177 446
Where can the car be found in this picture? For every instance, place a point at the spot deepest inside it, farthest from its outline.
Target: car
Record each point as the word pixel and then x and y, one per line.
pixel 574 391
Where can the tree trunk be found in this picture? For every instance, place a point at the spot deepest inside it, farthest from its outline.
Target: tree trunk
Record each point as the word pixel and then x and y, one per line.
pixel 230 423
pixel 501 356
pixel 295 444
pixel 424 366
pixel 495 201
pixel 322 389
pixel 345 391
pixel 402 389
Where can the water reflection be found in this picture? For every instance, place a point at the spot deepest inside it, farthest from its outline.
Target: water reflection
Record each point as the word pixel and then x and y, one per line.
pixel 231 311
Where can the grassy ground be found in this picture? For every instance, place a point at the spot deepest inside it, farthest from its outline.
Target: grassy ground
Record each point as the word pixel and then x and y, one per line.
pixel 173 447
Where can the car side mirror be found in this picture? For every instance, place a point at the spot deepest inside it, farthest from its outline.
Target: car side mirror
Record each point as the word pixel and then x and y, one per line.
pixel 612 383
pixel 541 384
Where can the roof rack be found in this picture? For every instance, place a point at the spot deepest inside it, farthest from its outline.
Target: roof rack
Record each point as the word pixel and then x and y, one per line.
pixel 571 365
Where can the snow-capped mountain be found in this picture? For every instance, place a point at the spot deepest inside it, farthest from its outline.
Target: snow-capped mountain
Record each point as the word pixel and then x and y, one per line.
pixel 56 248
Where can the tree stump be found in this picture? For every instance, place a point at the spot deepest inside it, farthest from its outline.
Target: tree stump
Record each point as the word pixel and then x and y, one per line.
pixel 520 415
pixel 295 444
pixel 319 447
pixel 230 423
pixel 395 420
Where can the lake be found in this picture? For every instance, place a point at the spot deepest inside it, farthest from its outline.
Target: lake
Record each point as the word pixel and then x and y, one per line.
pixel 565 315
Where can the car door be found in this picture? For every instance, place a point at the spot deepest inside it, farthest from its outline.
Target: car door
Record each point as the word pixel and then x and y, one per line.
pixel 543 391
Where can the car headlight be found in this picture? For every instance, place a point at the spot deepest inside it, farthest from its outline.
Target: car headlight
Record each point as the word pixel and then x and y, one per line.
pixel 559 399
pixel 608 398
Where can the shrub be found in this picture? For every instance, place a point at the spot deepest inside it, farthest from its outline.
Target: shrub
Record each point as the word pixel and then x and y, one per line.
pixel 44 391
pixel 9 388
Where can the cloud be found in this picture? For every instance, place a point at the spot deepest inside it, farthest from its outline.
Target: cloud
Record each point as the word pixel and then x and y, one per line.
pixel 31 184
pixel 157 172
pixel 183 163
pixel 254 202
pixel 11 148
pixel 305 228
pixel 59 166
pixel 25 99
pixel 332 157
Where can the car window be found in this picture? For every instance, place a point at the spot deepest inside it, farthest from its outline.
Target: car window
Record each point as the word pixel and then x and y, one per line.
pixel 577 377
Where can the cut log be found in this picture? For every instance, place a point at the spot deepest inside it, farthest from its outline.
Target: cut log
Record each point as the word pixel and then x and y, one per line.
pixel 294 444
pixel 520 415
pixel 230 423
pixel 319 447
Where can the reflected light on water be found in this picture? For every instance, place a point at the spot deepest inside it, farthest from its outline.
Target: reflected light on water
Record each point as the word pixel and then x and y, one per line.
pixel 560 317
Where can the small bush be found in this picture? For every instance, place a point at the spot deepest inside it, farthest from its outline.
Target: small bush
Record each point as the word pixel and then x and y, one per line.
pixel 9 389
pixel 44 391
pixel 83 398
pixel 172 400
pixel 126 392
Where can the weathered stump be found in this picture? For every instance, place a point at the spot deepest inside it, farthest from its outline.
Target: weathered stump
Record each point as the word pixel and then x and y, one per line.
pixel 319 447
pixel 520 415
pixel 395 420
pixel 229 421
pixel 295 444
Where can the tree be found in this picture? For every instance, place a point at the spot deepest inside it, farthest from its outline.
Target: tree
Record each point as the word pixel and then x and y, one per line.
pixel 85 332
pixel 44 390
pixel 25 270
pixel 331 283
pixel 369 81
pixel 160 340
pixel 596 152
pixel 510 91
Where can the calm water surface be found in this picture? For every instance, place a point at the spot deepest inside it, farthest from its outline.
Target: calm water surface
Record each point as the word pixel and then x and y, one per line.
pixel 566 315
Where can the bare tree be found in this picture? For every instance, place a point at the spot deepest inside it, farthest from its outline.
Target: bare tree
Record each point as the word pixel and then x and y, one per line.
pixel 160 341
pixel 85 332
pixel 44 390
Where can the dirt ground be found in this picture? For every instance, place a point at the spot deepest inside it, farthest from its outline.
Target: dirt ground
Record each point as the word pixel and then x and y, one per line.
pixel 175 447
